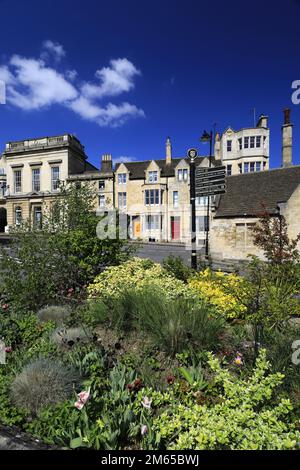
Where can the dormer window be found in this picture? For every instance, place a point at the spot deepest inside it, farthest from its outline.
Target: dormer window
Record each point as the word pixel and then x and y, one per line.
pixel 152 176
pixel 122 178
pixel 229 145
pixel 183 175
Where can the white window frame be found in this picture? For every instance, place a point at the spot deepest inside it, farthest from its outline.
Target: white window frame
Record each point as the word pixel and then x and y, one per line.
pixel 153 176
pixel 102 200
pixel 175 198
pixel 152 197
pixel 18 215
pixel 122 197
pixel 17 181
pixel 122 178
pixel 36 182
pixel 55 178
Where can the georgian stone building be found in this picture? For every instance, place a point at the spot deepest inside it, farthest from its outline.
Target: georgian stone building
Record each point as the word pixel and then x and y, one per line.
pixel 31 171
pixel 154 194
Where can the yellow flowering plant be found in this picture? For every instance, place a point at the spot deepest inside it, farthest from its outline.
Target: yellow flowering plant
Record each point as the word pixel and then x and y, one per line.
pixel 137 273
pixel 227 293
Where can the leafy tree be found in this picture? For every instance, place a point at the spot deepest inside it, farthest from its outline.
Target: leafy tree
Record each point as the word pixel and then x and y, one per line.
pixel 271 235
pixel 55 261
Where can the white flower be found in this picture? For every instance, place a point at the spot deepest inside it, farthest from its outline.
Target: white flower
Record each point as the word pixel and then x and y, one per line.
pixel 146 402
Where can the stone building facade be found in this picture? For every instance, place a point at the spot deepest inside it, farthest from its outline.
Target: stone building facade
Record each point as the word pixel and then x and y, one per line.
pixel 234 213
pixel 155 194
pixel 245 150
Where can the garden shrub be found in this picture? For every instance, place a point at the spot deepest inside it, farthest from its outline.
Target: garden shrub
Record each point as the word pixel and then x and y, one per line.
pixel 245 415
pixel 71 336
pixel 136 273
pixel 175 266
pixel 173 325
pixel 227 293
pixel 43 382
pixel 56 313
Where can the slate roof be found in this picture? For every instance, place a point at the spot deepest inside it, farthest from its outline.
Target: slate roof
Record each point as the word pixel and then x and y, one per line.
pixel 246 193
pixel 137 169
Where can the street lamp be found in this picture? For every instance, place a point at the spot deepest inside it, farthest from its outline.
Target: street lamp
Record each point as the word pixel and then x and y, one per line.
pixel 207 137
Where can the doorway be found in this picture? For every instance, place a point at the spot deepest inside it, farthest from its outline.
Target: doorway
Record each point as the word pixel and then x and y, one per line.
pixel 175 228
pixel 3 219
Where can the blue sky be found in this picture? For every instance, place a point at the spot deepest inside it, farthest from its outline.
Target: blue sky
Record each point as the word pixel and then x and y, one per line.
pixel 122 75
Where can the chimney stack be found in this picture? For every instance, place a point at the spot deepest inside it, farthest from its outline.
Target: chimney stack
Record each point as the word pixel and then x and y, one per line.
pixel 106 163
pixel 168 151
pixel 287 138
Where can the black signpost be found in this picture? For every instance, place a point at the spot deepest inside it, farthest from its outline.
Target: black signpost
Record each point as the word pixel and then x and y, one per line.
pixel 192 155
pixel 209 182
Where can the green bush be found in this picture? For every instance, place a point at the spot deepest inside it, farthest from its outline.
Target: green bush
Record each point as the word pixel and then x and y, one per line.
pixel 93 312
pixel 41 383
pixel 172 325
pixel 137 273
pixel 245 415
pixel 70 336
pixel 175 266
pixel 54 263
pixel 56 313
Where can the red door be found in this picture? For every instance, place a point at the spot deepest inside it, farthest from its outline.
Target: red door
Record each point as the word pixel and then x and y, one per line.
pixel 175 228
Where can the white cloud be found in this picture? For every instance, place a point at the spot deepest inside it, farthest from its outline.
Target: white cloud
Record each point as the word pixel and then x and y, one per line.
pixel 53 48
pixel 32 85
pixel 111 115
pixel 124 159
pixel 35 86
pixel 114 80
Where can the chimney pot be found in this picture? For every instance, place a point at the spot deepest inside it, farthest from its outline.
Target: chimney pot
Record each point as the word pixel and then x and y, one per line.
pixel 287 115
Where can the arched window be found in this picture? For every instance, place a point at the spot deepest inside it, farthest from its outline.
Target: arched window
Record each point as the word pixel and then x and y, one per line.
pixel 18 215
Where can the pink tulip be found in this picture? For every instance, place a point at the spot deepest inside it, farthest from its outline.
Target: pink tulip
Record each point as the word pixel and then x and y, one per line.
pixel 82 399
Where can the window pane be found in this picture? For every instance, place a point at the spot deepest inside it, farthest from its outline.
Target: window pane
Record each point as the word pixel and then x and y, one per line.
pixel 229 145
pixel 175 198
pixel 102 200
pixel 246 167
pixel 258 166
pixel 36 180
pixel 18 181
pixel 101 184
pixel 258 140
pixel 252 166
pixel 180 175
pixel 246 142
pixel 55 178
pixel 252 142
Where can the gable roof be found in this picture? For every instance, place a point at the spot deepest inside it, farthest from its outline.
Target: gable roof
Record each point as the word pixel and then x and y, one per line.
pixel 137 169
pixel 246 193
